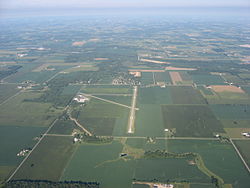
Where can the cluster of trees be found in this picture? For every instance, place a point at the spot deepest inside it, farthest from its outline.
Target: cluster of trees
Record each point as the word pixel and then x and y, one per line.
pixel 215 181
pixel 166 154
pixel 94 139
pixel 50 184
pixel 9 70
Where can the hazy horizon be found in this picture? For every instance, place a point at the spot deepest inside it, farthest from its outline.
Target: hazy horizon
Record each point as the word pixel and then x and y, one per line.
pixel 27 8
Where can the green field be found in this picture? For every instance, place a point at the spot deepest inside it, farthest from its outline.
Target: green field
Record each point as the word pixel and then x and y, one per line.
pixel 154 95
pixel 19 112
pixel 149 121
pixel 52 153
pixel 101 117
pixel 126 100
pixel 107 90
pixel 207 79
pixel 7 90
pixel 100 163
pixel 205 91
pixel 231 111
pixel 243 147
pixel 147 78
pixel 169 169
pixel 220 158
pixel 162 77
pixel 195 121
pixel 12 140
pixel 235 123
pixel 186 95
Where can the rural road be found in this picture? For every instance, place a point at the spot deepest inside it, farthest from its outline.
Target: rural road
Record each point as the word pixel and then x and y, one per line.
pixel 123 105
pixel 238 152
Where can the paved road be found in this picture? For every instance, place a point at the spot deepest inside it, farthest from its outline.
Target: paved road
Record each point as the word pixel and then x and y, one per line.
pixel 131 122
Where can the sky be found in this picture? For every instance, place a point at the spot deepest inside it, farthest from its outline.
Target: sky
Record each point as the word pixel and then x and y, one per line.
pixel 57 5
pixel 18 4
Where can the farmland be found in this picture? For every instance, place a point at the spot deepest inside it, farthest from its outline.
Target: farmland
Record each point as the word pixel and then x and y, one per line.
pixel 195 121
pixel 122 102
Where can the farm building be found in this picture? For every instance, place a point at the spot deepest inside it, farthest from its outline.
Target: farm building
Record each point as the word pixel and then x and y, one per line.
pixel 81 99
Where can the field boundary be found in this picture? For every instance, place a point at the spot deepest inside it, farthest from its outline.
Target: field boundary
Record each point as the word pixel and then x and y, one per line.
pixel 109 101
pixel 238 152
pixel 39 141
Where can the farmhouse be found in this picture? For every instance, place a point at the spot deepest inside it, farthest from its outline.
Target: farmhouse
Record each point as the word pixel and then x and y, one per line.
pixel 81 99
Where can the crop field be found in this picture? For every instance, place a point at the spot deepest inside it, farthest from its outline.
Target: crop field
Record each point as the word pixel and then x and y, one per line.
pixel 38 166
pixel 207 79
pixel 220 158
pixel 147 78
pixel 162 77
pixel 121 99
pixel 236 132
pixel 171 169
pixel 71 90
pixel 228 111
pixel 63 126
pixel 93 162
pixel 186 95
pixel 149 121
pixel 243 147
pixel 125 102
pixel 106 90
pixel 195 121
pixel 235 123
pixel 247 89
pixel 12 140
pixel 205 91
pixel 7 91
pixel 154 95
pixel 100 163
pixel 226 88
pixel 101 117
pixel 25 113
pixel 176 78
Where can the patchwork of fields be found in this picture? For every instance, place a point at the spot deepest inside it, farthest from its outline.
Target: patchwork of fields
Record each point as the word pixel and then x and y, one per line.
pixel 68 105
